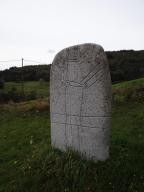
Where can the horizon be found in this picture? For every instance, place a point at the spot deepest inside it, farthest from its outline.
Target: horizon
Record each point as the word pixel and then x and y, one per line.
pixel 38 29
pixel 20 60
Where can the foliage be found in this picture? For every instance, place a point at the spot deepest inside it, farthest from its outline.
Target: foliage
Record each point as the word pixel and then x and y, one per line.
pixel 15 96
pixel 1 84
pixel 126 65
pixel 30 73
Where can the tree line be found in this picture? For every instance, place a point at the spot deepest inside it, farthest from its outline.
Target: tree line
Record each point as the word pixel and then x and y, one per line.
pixel 124 65
pixel 28 73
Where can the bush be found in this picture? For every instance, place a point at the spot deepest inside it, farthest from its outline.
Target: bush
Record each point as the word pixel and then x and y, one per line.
pixel 4 97
pixel 16 96
pixel 31 96
pixel 1 84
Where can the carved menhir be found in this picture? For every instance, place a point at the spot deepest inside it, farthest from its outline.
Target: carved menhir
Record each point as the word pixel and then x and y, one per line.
pixel 80 101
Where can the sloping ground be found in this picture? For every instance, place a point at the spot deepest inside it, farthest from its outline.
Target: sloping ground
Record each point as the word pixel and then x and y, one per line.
pixel 130 84
pixel 129 91
pixel 27 162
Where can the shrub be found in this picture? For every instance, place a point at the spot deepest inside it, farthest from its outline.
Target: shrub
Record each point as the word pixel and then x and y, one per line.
pixel 4 97
pixel 1 84
pixel 31 96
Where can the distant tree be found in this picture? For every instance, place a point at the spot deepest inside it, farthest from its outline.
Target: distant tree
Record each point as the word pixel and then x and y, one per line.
pixel 1 84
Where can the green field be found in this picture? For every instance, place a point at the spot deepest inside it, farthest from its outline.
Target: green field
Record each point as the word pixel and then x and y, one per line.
pixel 130 84
pixel 29 164
pixel 40 88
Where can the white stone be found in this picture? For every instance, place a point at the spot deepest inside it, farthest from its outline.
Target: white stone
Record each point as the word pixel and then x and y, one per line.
pixel 80 101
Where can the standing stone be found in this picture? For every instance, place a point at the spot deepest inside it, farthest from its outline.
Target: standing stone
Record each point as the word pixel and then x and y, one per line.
pixel 80 100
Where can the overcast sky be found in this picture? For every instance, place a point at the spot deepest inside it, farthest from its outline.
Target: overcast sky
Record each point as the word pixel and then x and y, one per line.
pixel 38 29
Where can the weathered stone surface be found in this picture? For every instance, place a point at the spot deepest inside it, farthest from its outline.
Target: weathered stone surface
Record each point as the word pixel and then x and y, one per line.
pixel 80 91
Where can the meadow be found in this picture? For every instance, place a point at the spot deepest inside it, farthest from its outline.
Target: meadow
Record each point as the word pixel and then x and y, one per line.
pixel 40 88
pixel 130 84
pixel 28 163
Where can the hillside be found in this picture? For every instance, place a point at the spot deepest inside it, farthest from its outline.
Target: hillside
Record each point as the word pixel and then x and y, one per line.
pixel 137 83
pixel 30 73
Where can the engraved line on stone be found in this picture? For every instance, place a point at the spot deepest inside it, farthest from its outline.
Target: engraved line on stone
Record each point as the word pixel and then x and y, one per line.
pixel 80 120
pixel 76 85
pixel 81 115
pixel 66 105
pixel 73 82
pixel 100 69
pixel 86 76
pixel 72 60
pixel 70 119
pixel 93 80
pixel 81 105
pixel 78 125
pixel 73 55
pixel 96 80
pixel 91 72
pixel 82 85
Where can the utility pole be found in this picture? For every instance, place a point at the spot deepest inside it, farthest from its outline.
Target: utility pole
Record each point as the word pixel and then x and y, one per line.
pixel 22 80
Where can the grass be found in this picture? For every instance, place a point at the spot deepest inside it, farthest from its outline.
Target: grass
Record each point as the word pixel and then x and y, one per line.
pixel 129 91
pixel 28 163
pixel 130 84
pixel 20 135
pixel 39 87
pixel 42 87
